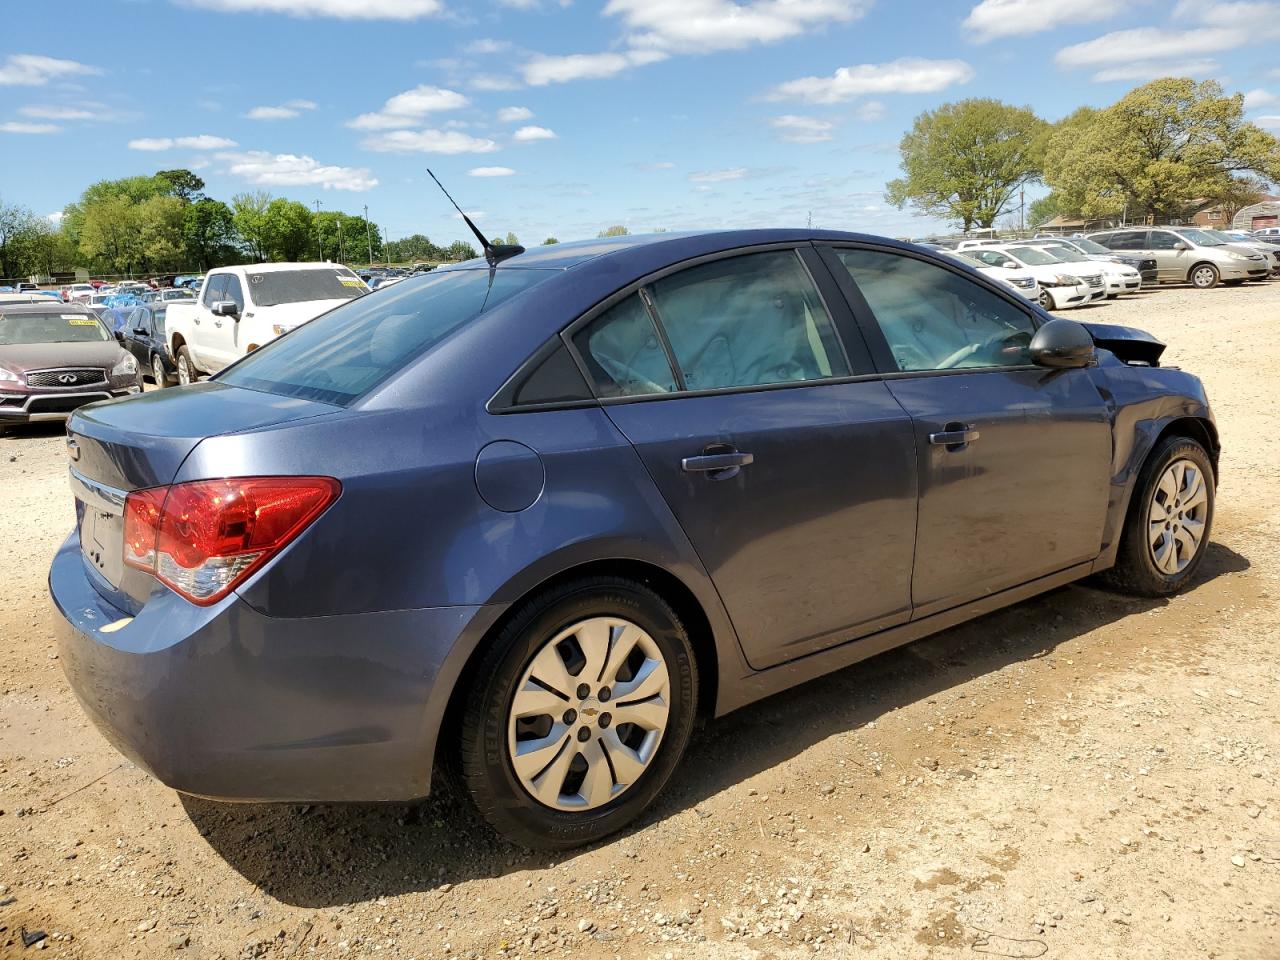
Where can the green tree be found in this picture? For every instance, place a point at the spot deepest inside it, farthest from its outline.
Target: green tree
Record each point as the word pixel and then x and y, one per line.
pixel 1161 145
pixel 110 234
pixel 617 230
pixel 289 231
pixel 160 233
pixel 248 214
pixel 550 240
pixel 208 234
pixel 1043 210
pixel 411 249
pixel 185 185
pixel 512 240
pixel 461 250
pixel 15 222
pixel 965 161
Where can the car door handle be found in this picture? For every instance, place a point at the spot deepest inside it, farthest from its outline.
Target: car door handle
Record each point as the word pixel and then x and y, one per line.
pixel 956 435
pixel 713 462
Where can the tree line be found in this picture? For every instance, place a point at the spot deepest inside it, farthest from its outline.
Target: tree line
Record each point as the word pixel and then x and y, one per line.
pixel 164 223
pixel 1147 156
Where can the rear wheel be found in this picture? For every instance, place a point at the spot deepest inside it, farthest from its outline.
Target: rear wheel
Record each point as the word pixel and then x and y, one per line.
pixel 1167 530
pixel 187 372
pixel 1204 276
pixel 579 713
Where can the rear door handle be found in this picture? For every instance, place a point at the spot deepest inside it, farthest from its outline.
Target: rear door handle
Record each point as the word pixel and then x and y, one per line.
pixel 715 462
pixel 955 435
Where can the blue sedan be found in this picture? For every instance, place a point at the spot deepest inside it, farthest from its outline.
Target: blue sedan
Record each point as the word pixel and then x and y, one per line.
pixel 540 512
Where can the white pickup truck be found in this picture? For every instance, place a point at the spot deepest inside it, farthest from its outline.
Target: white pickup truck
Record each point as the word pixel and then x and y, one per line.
pixel 241 308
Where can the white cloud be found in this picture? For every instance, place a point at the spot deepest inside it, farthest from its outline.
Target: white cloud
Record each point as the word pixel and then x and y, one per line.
pixel 540 70
pixel 658 165
pixel 55 218
pixel 266 169
pixel 202 142
pixel 487 45
pixel 907 75
pixel 1259 98
pixel 514 114
pixel 796 129
pixel 530 134
pixel 33 70
pixel 56 112
pixel 18 126
pixel 428 141
pixel 871 111
pixel 718 176
pixel 1150 70
pixel 285 111
pixel 1150 44
pixel 491 82
pixel 699 26
pixel 490 172
pixel 410 108
pixel 992 19
pixel 341 9
pixel 1270 122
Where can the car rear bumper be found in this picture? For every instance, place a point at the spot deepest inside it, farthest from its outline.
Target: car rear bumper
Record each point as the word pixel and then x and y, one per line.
pixel 227 703
pixel 35 407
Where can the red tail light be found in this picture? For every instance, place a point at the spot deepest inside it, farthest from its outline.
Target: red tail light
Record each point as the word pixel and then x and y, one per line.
pixel 202 539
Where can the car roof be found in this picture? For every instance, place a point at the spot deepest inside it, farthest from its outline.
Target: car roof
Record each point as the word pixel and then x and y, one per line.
pixel 277 267
pixel 45 305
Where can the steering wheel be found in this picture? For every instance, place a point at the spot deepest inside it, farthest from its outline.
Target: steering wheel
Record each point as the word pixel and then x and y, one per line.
pixel 1004 340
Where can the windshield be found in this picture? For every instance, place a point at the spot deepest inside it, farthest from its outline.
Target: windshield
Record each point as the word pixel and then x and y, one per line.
pixel 345 353
pixel 1064 254
pixel 1033 257
pixel 50 328
pixel 273 287
pixel 1202 238
pixel 1090 246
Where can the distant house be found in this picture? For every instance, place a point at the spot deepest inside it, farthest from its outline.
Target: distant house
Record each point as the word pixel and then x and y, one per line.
pixel 1265 213
pixel 1203 212
pixel 1065 226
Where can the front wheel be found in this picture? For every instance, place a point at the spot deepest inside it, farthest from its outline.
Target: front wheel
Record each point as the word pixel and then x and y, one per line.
pixel 1204 276
pixel 1167 530
pixel 579 713
pixel 157 371
pixel 1046 299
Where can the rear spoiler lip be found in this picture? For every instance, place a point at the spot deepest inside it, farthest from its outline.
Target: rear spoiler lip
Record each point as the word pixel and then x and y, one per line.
pixel 1129 344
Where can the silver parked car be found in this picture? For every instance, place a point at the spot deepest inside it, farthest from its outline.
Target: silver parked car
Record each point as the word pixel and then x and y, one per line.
pixel 1188 255
pixel 1238 238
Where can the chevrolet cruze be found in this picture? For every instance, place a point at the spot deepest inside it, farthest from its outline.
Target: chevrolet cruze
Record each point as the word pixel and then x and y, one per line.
pixel 538 513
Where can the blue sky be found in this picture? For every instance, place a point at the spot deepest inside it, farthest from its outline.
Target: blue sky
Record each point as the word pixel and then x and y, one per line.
pixel 551 117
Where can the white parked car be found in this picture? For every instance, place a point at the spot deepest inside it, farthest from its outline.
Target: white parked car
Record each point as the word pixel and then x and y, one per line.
pixel 1120 279
pixel 1061 288
pixel 80 291
pixel 1009 272
pixel 241 308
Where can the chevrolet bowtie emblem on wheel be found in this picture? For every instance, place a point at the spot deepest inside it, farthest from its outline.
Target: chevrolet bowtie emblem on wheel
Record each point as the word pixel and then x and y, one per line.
pixel 67 378
pixel 589 712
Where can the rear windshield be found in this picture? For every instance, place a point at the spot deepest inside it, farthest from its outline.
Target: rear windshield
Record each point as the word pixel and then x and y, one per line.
pixel 273 287
pixel 50 328
pixel 342 354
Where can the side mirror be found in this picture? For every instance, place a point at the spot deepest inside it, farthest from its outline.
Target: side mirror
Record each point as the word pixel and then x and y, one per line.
pixel 1062 344
pixel 1182 245
pixel 1010 264
pixel 225 308
pixel 120 335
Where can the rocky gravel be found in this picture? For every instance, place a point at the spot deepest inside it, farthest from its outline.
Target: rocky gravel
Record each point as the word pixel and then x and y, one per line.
pixel 1084 775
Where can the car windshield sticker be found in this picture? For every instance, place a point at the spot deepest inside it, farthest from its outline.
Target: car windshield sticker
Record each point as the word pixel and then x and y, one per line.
pixel 351 282
pixel 80 322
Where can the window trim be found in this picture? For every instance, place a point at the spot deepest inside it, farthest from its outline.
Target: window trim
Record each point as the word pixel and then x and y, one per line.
pixel 795 247
pixel 881 353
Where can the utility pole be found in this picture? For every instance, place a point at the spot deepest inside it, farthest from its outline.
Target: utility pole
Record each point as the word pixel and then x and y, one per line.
pixel 342 254
pixel 319 242
pixel 368 231
pixel 1022 209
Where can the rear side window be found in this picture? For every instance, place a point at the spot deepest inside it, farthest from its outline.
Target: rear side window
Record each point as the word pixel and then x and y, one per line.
pixel 623 352
pixel 344 353
pixel 748 321
pixel 1132 240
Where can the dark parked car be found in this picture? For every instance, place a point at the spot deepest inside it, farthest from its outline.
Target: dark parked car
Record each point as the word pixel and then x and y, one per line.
pixel 144 337
pixel 55 357
pixel 539 514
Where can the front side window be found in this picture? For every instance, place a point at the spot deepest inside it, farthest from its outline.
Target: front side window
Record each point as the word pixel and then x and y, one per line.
pixel 346 352
pixel 748 321
pixel 233 291
pixel 1162 240
pixel 623 352
pixel 213 290
pixel 934 319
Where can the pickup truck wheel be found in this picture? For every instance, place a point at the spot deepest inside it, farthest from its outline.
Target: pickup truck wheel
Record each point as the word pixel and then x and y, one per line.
pixel 157 371
pixel 187 372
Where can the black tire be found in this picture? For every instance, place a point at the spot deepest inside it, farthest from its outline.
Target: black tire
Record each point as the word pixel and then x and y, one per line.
pixel 1135 571
pixel 485 762
pixel 193 372
pixel 1046 299
pixel 158 373
pixel 1204 276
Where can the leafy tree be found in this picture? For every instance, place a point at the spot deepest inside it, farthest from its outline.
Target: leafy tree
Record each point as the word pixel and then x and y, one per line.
pixel 512 240
pixel 289 231
pixel 411 249
pixel 461 250
pixel 208 233
pixel 185 185
pixel 1238 193
pixel 110 233
pixel 550 240
pixel 248 214
pixel 965 161
pixel 1160 146
pixel 1045 209
pixel 160 233
pixel 617 230
pixel 15 222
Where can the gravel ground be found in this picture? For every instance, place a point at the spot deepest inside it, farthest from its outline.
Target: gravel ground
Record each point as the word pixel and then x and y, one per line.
pixel 1081 776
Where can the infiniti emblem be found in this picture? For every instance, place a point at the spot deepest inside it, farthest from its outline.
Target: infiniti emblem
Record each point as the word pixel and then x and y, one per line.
pixel 67 378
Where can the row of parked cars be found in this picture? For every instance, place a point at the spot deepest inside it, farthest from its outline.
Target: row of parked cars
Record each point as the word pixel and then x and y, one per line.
pixel 1066 272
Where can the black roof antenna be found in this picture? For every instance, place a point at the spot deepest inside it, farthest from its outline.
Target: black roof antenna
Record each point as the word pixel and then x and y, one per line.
pixel 495 253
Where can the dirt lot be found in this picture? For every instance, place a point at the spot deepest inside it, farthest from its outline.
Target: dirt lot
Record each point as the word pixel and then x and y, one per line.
pixel 1081 776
